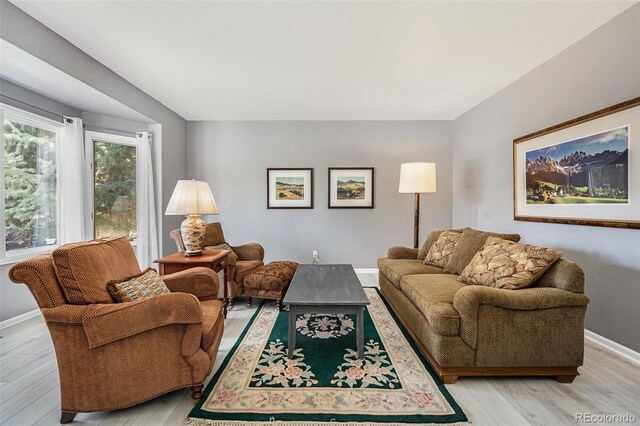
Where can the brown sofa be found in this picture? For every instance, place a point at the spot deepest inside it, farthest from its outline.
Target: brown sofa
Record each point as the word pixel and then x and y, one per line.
pixel 245 258
pixel 472 330
pixel 115 355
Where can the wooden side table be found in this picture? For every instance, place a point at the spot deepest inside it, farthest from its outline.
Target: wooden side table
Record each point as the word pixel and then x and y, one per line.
pixel 217 260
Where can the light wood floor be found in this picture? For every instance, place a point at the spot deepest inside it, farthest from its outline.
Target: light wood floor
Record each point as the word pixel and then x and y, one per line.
pixel 609 384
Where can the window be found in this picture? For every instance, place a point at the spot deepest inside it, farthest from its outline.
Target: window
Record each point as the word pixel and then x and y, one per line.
pixel 29 191
pixel 112 185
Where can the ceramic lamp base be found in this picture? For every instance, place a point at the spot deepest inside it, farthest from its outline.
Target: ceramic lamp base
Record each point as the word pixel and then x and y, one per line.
pixel 192 230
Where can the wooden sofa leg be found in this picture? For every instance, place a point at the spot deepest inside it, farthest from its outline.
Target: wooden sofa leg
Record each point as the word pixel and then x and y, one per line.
pixel 565 378
pixel 248 301
pixel 67 417
pixel 449 380
pixel 279 304
pixel 230 303
pixel 196 392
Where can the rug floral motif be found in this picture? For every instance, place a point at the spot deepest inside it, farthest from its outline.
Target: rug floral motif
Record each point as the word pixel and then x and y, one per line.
pixel 325 382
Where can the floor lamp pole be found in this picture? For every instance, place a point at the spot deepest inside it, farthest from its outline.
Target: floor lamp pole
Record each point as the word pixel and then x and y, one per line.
pixel 416 220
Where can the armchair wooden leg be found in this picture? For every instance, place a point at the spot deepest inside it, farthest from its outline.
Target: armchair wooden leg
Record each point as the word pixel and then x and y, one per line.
pixel 248 301
pixel 67 417
pixel 196 392
pixel 279 304
pixel 230 303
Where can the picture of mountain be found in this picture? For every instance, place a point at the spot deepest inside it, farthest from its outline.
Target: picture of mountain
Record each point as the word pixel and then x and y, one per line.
pixel 591 169
pixel 289 188
pixel 351 188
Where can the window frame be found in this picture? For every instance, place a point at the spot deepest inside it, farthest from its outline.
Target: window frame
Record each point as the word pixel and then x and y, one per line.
pixel 89 137
pixel 10 112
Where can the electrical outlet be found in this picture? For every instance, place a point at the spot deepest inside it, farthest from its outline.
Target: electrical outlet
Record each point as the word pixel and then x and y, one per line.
pixel 315 254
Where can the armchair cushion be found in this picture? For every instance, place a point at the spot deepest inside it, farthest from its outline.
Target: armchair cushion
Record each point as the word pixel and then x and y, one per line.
pixel 249 251
pixel 142 286
pixel 213 234
pixel 505 264
pixel 470 242
pixel 212 320
pixel 84 269
pixel 106 323
pixel 222 246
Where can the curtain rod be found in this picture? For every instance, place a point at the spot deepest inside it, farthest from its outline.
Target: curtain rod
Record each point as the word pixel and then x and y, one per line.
pixel 62 117
pixel 33 106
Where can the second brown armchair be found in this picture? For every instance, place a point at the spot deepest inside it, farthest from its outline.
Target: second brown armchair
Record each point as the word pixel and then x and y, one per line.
pixel 244 259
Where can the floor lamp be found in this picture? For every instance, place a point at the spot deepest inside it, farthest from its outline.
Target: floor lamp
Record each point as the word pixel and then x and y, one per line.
pixel 416 178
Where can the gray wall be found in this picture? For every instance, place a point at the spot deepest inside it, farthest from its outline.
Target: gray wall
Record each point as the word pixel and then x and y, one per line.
pixel 598 71
pixel 233 158
pixel 28 34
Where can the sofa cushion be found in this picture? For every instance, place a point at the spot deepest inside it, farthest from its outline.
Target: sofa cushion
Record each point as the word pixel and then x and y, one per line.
pixel 431 238
pixel 394 269
pixel 441 250
pixel 212 320
pixel 433 295
pixel 142 286
pixel 470 242
pixel 508 265
pixel 84 269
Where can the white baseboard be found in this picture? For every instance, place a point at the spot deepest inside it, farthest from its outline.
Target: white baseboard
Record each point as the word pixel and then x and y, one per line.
pixel 366 270
pixel 613 346
pixel 18 319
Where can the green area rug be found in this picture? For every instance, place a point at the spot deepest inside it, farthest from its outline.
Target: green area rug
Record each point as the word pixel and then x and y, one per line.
pixel 325 382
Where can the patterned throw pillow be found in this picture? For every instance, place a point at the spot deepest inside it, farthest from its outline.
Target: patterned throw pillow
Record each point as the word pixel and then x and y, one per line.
pixel 439 253
pixel 505 264
pixel 223 246
pixel 143 286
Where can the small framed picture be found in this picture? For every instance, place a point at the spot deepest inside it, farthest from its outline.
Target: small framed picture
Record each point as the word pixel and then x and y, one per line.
pixel 289 188
pixel 351 188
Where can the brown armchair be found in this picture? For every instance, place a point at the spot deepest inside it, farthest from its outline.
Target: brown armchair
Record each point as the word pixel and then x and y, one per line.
pixel 244 259
pixel 115 355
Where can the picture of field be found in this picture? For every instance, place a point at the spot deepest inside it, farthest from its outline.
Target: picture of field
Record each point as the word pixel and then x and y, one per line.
pixel 351 188
pixel 591 169
pixel 289 188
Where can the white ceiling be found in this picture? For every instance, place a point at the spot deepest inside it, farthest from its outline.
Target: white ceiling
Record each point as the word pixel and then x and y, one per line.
pixel 20 67
pixel 322 60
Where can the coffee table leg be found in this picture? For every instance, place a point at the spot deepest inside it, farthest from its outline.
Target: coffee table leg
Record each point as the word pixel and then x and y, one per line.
pixel 360 330
pixel 292 330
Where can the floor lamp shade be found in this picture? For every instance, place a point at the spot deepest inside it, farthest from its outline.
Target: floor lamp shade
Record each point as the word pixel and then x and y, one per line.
pixel 192 198
pixel 416 178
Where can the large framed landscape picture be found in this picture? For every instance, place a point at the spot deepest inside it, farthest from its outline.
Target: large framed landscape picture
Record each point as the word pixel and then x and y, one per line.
pixel 351 188
pixel 289 188
pixel 581 171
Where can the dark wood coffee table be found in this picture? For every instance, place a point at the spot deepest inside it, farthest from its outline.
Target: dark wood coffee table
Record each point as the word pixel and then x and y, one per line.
pixel 326 289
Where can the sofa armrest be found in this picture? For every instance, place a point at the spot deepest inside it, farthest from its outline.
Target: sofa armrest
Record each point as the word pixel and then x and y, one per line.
pixel 107 323
pixel 398 252
pixel 250 251
pixel 468 300
pixel 201 282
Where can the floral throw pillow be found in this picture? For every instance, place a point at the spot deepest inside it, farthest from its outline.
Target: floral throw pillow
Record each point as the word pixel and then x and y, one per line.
pixel 439 253
pixel 505 264
pixel 142 286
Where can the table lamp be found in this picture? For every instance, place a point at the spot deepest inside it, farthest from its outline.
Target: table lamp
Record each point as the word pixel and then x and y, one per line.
pixel 192 198
pixel 416 178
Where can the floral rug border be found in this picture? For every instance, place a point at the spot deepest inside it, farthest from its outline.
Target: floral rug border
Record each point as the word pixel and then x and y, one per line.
pixel 199 416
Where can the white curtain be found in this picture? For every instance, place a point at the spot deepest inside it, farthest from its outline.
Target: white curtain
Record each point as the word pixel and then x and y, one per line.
pixel 72 181
pixel 147 240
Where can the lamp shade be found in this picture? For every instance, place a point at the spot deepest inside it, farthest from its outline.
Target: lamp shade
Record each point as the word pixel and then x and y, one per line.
pixel 191 197
pixel 417 177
